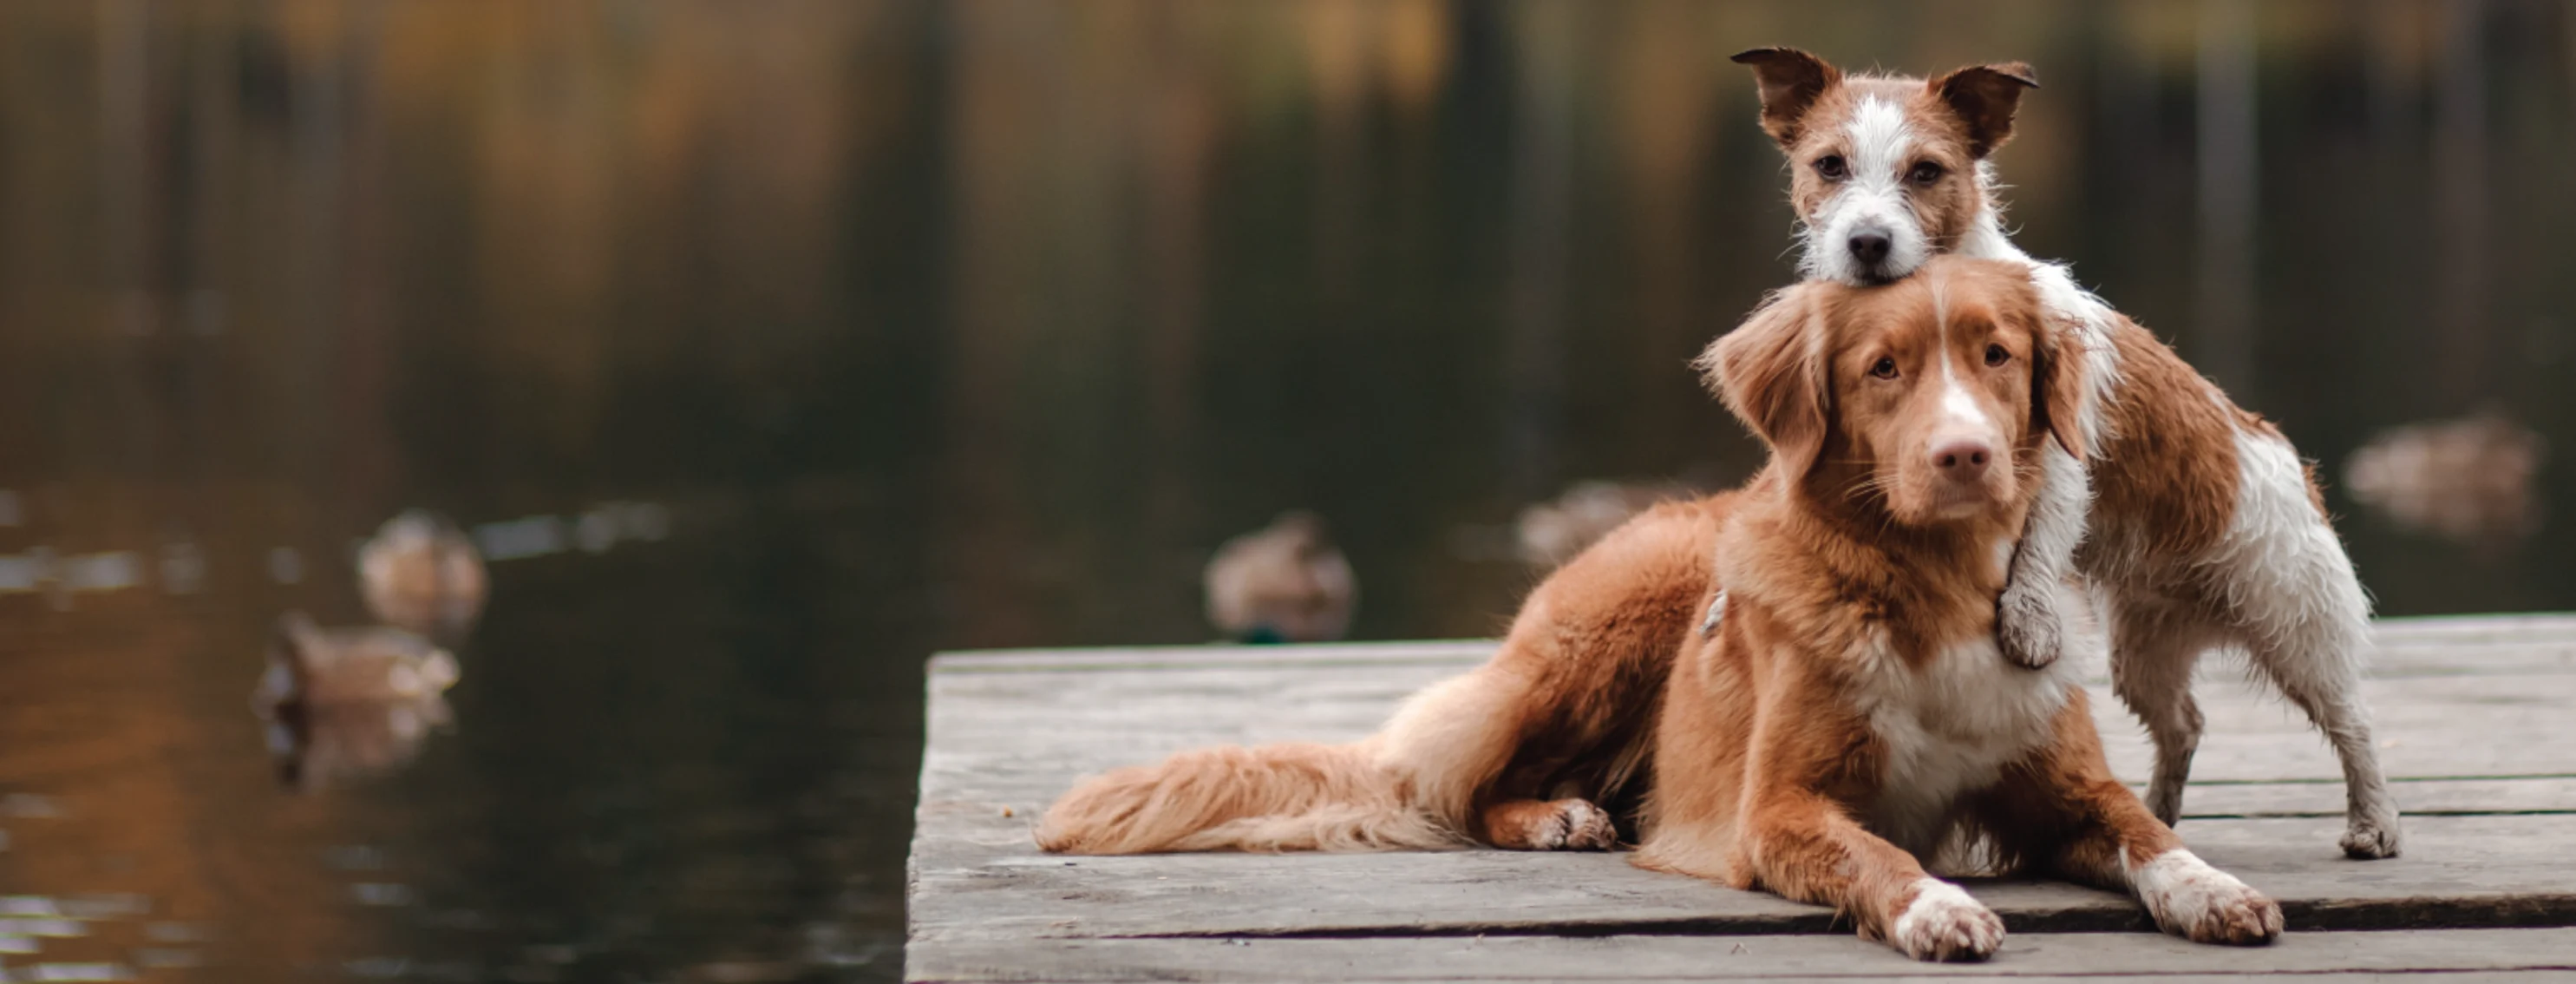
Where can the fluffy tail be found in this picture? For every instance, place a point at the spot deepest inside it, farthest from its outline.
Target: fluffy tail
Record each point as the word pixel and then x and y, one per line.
pixel 1296 797
pixel 1409 787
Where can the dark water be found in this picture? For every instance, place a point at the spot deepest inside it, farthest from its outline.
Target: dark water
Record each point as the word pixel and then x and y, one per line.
pixel 980 324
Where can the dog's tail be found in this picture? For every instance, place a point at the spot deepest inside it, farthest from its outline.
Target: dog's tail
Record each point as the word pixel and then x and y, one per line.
pixel 1411 786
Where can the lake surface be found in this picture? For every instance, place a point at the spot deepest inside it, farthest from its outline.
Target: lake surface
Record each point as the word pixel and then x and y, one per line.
pixel 780 346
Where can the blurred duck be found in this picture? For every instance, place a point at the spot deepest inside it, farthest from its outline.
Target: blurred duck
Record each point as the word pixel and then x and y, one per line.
pixel 1551 533
pixel 346 703
pixel 420 572
pixel 1283 583
pixel 2469 480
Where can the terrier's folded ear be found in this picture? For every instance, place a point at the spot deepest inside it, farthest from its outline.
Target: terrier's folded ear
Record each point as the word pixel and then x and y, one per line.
pixel 1790 81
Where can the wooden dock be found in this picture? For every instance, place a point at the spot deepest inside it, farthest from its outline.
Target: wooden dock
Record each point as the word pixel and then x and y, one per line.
pixel 2476 716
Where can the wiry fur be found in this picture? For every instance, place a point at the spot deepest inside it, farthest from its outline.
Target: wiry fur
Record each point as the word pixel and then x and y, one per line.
pixel 1819 729
pixel 2194 519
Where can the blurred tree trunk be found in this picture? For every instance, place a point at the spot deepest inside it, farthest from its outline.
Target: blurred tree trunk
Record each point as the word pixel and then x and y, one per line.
pixel 2459 195
pixel 2230 173
pixel 1534 315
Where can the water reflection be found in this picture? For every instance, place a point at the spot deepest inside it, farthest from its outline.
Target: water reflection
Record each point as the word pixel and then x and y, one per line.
pixel 346 703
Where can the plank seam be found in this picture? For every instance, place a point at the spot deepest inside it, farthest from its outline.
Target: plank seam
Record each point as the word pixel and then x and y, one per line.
pixel 2309 915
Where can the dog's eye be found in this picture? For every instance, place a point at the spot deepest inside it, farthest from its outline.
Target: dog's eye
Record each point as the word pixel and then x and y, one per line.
pixel 1831 167
pixel 1884 368
pixel 1925 173
pixel 1996 355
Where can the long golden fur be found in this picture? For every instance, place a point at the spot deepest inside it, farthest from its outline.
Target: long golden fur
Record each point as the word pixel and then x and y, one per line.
pixel 1822 727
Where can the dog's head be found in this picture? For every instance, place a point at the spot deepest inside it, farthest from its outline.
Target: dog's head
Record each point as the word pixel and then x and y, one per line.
pixel 1930 397
pixel 1884 170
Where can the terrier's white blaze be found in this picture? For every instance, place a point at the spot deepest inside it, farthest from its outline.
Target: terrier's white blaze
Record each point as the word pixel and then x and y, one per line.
pixel 1940 907
pixel 1871 199
pixel 2181 889
pixel 1880 137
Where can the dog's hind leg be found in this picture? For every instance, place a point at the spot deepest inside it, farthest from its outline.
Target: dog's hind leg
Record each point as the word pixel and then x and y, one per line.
pixel 1589 649
pixel 2292 594
pixel 2315 674
pixel 2153 649
pixel 1547 825
pixel 2312 652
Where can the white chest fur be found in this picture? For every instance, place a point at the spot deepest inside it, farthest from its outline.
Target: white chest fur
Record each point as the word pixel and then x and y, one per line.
pixel 1948 729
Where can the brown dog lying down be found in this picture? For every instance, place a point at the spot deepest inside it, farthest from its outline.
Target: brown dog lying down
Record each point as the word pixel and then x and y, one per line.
pixel 1838 716
pixel 2201 528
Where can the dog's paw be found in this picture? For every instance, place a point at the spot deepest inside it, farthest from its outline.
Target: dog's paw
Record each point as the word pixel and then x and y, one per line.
pixel 1944 923
pixel 1555 825
pixel 1581 826
pixel 2164 799
pixel 2027 628
pixel 2371 837
pixel 2190 899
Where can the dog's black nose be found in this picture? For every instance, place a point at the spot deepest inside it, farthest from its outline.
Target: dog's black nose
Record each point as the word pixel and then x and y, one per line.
pixel 1869 248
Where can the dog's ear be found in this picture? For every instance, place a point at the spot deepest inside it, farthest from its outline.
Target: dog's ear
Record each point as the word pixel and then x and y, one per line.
pixel 1770 372
pixel 1790 81
pixel 2057 385
pixel 1985 97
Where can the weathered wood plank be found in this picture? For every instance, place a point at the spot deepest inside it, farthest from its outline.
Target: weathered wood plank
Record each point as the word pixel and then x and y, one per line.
pixel 2550 627
pixel 2471 715
pixel 977 876
pixel 2427 727
pixel 2024 957
pixel 1059 726
pixel 2427 797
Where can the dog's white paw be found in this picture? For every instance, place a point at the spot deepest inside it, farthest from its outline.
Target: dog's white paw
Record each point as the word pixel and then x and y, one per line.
pixel 2370 838
pixel 2188 898
pixel 1943 923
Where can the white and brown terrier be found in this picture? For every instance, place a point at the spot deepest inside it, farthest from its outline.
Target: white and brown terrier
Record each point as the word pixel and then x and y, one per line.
pixel 2205 529
pixel 2198 525
pixel 1849 718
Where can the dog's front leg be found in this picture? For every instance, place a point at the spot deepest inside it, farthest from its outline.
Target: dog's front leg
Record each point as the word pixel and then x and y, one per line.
pixel 2028 627
pixel 2102 835
pixel 1807 848
pixel 2124 848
